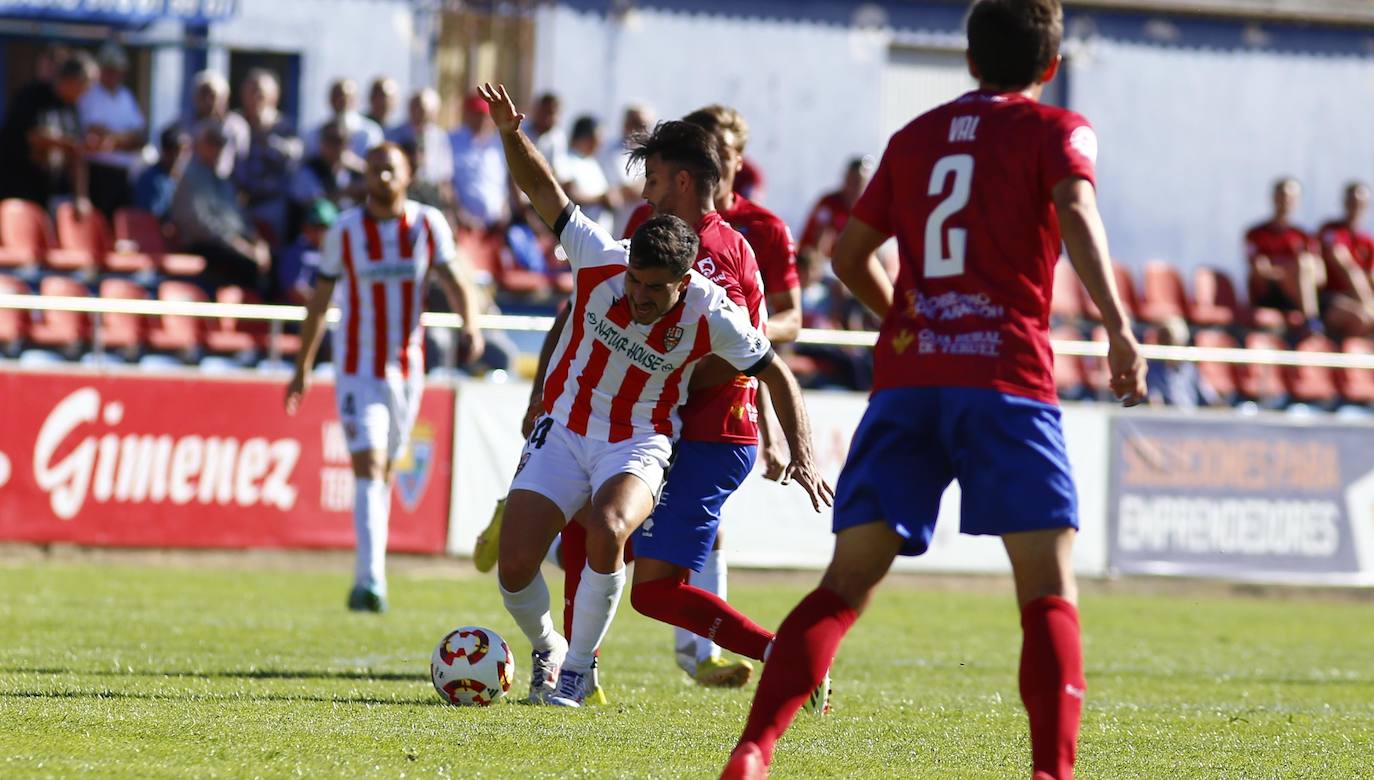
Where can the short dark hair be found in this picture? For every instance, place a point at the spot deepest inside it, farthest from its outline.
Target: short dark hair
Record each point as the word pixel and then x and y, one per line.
pixel 79 64
pixel 172 136
pixel 1012 42
pixel 584 126
pixel 665 241
pixel 685 145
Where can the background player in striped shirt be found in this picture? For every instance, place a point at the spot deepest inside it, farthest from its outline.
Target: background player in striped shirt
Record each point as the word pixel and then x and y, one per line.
pixel 380 257
pixel 978 193
pixel 640 322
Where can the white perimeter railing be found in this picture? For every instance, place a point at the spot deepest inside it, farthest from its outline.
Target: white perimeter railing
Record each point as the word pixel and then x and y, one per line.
pixel 277 315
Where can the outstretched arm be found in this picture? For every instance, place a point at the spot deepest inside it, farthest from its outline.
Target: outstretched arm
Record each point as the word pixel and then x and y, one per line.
pixel 787 402
pixel 1086 239
pixel 528 168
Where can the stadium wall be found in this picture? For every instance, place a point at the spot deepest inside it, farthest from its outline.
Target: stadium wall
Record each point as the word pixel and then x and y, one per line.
pixel 1197 115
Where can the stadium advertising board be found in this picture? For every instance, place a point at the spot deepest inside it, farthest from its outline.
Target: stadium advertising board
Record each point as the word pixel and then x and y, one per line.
pixel 127 460
pixel 1242 499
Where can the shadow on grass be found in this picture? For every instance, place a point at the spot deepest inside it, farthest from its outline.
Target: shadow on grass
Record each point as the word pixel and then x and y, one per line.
pixel 230 674
pixel 192 697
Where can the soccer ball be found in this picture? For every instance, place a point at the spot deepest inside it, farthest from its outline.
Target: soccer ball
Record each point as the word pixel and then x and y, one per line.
pixel 472 666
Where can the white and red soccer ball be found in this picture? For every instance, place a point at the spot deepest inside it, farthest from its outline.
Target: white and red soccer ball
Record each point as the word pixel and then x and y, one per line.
pixel 472 666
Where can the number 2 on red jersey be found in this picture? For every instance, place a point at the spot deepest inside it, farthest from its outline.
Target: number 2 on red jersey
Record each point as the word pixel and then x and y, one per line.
pixel 938 264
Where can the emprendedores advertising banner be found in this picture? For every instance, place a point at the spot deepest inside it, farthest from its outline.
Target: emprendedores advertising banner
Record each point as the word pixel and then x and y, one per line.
pixel 1242 498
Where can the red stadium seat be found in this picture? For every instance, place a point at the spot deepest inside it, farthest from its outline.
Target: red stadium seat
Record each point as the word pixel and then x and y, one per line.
pixel 1312 384
pixel 1221 377
pixel 1069 378
pixel 1066 303
pixel 1357 384
pixel 1215 303
pixel 1259 381
pixel 1125 287
pixel 122 331
pixel 14 323
pixel 91 235
pixel 177 332
pixel 1165 296
pixel 142 230
pixel 225 336
pixel 26 234
pixel 62 330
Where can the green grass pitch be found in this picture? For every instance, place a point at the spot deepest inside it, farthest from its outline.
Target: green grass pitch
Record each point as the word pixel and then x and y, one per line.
pixel 117 670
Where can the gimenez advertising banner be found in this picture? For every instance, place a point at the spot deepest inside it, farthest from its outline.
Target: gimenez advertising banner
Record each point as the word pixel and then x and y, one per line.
pixel 171 461
pixel 1242 498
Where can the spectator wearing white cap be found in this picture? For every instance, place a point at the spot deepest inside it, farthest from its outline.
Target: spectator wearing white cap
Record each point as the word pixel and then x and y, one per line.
pixel 115 131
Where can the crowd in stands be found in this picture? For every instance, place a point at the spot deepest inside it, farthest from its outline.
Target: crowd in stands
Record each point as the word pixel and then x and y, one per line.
pixel 233 205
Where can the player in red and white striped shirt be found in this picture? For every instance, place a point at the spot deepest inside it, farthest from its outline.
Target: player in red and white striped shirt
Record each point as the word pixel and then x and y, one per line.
pixel 641 319
pixel 379 258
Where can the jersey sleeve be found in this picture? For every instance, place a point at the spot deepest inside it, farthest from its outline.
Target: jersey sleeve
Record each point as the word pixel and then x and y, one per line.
pixel 1070 151
pixel 586 243
pixel 331 253
pixel 874 207
pixel 445 251
pixel 736 340
pixel 777 258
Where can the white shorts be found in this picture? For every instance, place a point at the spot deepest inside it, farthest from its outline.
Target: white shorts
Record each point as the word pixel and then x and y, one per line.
pixel 568 468
pixel 378 414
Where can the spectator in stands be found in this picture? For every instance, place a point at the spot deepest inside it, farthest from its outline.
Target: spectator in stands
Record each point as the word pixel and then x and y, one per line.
pixel 299 262
pixel 1285 272
pixel 360 132
pixel 382 98
pixel 581 174
pixel 422 129
pixel 49 61
pixel 542 128
pixel 115 131
pixel 155 186
pixel 480 182
pixel 831 212
pixel 825 305
pixel 626 181
pixel 331 173
pixel 1177 383
pixel 1348 300
pixel 263 173
pixel 41 149
pixel 210 103
pixel 206 214
pixel 749 181
pixel 436 194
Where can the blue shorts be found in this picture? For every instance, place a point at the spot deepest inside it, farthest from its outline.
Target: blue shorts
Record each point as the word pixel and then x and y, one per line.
pixel 682 529
pixel 1006 451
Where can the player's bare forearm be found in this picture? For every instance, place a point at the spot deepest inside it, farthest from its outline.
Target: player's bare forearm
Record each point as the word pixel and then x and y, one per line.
pixel 1085 237
pixel 313 328
pixel 463 296
pixel 546 352
pixel 532 174
pixel 858 268
pixel 784 395
pixel 785 316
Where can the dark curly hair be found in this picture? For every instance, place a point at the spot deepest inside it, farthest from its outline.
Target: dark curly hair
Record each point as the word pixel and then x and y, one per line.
pixel 665 242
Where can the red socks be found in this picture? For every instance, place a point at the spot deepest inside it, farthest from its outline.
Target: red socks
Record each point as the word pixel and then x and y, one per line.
pixel 573 555
pixel 1052 684
pixel 802 653
pixel 701 612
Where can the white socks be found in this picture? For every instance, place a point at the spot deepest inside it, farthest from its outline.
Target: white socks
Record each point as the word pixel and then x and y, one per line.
pixel 598 595
pixel 371 507
pixel 711 579
pixel 530 608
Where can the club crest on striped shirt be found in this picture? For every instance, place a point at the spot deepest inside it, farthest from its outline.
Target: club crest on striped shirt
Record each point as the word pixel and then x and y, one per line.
pixel 671 338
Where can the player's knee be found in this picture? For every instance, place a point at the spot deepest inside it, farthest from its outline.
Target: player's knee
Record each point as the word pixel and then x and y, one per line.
pixel 610 523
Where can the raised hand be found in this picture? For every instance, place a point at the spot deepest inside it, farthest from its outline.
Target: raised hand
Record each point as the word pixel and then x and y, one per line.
pixel 503 112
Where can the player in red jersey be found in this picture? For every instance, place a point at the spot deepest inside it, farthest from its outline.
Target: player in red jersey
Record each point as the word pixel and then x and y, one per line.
pixel 1285 272
pixel 1348 301
pixel 771 241
pixel 641 321
pixel 380 257
pixel 978 193
pixel 831 212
